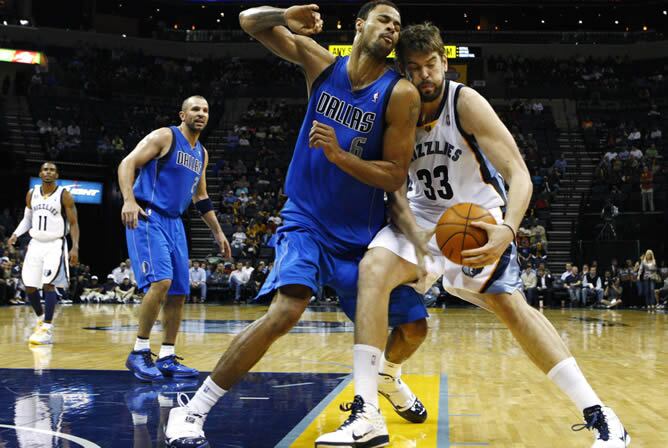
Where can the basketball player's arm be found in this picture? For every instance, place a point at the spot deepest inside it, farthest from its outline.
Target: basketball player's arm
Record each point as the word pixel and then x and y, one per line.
pixel 285 33
pixel 73 221
pixel 25 224
pixel 478 119
pixel 154 145
pixel 401 119
pixel 203 204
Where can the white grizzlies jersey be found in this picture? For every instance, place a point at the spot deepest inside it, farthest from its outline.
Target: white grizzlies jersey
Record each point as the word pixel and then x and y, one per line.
pixel 48 218
pixel 448 166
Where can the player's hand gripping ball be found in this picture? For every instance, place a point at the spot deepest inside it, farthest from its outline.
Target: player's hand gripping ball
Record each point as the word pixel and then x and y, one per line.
pixel 454 232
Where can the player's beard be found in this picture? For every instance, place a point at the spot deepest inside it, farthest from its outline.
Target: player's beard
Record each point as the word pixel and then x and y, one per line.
pixel 428 98
pixel 193 127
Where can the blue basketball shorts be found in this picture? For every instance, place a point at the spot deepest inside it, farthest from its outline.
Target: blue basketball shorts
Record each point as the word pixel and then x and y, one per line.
pixel 158 250
pixel 302 259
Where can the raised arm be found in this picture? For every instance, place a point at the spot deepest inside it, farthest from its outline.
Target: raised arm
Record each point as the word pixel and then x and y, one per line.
pixel 73 221
pixel 285 32
pixel 205 207
pixel 390 173
pixel 153 146
pixel 478 119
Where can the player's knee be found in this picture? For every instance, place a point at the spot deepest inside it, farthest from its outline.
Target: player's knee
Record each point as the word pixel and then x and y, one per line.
pixel 161 286
pixel 507 306
pixel 372 267
pixel 415 332
pixel 283 320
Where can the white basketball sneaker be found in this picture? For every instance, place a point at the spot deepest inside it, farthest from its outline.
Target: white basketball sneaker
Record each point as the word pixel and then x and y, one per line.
pixel 608 429
pixel 365 428
pixel 402 399
pixel 185 428
pixel 41 336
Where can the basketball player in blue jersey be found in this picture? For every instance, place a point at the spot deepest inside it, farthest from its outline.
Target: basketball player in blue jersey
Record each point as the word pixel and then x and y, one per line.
pixel 461 148
pixel 355 143
pixel 172 173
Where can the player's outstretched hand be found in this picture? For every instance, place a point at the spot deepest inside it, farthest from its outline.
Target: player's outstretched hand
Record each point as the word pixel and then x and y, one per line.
pixel 224 245
pixel 12 239
pixel 304 19
pixel 498 239
pixel 324 136
pixel 130 214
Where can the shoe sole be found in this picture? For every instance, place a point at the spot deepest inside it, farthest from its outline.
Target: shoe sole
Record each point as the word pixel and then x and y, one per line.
pixel 373 443
pixel 144 378
pixel 174 444
pixel 172 375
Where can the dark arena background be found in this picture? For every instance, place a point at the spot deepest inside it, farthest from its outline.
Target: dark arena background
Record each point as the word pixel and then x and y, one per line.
pixel 581 85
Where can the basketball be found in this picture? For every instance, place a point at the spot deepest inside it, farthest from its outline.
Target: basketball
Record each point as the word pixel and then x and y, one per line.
pixel 454 234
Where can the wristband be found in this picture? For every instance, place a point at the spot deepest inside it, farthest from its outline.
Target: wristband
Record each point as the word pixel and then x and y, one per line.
pixel 511 229
pixel 204 206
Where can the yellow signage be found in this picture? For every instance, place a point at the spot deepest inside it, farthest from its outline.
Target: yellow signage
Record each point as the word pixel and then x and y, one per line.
pixel 451 51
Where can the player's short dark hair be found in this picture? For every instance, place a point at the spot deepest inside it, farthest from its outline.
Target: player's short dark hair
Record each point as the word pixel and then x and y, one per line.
pixel 49 162
pixel 422 38
pixel 366 8
pixel 184 105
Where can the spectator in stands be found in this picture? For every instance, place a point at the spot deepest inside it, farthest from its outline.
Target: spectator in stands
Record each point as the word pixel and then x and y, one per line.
pixel 239 237
pixel 219 280
pixel 125 291
pixel 118 145
pixel 613 294
pixel 592 286
pixel 197 282
pixel 648 276
pixel 238 279
pixel 655 134
pixel 573 284
pixel 7 284
pixel 122 271
pixel 538 255
pixel 529 282
pixel 614 267
pixel 647 189
pixel 634 137
pixel 543 286
pixel 626 277
pixel 90 290
pixel 257 278
pixel 561 164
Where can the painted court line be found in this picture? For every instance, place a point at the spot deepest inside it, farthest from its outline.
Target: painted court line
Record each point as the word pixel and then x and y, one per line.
pixel 443 435
pixel 280 386
pixel 303 424
pixel 253 398
pixel 81 442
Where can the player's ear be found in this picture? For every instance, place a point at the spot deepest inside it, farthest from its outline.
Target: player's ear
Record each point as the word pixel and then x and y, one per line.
pixel 445 62
pixel 182 115
pixel 359 24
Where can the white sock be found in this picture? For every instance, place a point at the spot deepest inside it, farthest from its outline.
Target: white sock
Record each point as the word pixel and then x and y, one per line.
pixel 142 344
pixel 366 361
pixel 206 397
pixel 570 379
pixel 166 350
pixel 390 368
pixel 138 419
pixel 40 318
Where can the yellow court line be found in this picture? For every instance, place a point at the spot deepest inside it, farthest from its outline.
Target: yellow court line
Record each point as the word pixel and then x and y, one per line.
pixel 402 433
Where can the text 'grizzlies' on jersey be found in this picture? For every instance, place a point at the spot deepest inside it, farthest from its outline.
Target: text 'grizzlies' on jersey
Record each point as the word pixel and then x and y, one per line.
pixel 321 196
pixel 168 183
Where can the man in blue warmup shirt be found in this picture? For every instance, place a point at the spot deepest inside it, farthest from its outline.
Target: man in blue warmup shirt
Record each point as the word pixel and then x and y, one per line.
pixel 355 143
pixel 172 172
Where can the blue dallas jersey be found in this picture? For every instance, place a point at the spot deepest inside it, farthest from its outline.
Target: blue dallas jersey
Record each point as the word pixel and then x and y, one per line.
pixel 168 183
pixel 322 197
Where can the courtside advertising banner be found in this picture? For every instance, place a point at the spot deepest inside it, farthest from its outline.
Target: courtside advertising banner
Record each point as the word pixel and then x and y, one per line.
pixel 83 192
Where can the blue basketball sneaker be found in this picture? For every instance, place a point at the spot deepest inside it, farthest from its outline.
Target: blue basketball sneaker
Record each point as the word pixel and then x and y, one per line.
pixel 140 363
pixel 171 367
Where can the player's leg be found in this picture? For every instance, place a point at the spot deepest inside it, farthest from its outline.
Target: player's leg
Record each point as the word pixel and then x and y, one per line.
pixel 148 248
pixel 31 275
pixel 543 345
pixel 298 258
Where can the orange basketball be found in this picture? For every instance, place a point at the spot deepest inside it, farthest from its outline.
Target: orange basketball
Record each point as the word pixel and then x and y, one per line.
pixel 454 234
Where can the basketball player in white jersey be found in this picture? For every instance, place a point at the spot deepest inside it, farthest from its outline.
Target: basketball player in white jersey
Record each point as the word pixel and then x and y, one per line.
pixel 463 153
pixel 49 215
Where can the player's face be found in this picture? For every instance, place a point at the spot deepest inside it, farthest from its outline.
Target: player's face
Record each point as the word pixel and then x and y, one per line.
pixel 196 115
pixel 427 72
pixel 379 33
pixel 48 173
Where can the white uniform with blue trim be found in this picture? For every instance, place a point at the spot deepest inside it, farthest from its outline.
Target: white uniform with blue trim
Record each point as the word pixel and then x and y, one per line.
pixel 449 168
pixel 46 258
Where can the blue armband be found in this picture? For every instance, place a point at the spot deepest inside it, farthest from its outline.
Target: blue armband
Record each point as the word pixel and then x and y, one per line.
pixel 204 206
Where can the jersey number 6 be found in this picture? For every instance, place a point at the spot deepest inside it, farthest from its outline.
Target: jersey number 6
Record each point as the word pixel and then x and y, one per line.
pixel 440 174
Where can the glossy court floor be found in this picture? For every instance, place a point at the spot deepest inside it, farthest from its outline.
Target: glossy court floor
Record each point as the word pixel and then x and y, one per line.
pixel 479 388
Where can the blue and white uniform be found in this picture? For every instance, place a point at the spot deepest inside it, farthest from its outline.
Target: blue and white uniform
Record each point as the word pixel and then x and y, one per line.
pixel 331 217
pixel 157 246
pixel 448 168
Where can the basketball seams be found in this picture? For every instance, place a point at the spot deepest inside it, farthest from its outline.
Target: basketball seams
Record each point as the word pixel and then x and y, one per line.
pixel 455 223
